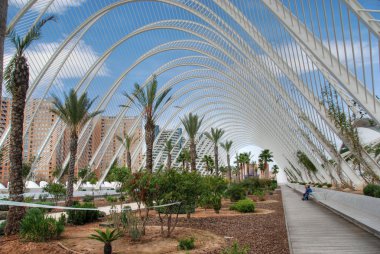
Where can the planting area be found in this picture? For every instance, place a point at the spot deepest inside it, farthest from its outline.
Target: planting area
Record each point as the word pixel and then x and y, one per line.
pixel 262 231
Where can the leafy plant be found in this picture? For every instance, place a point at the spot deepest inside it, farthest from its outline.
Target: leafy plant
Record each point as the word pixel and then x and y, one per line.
pixel 2 226
pixel 244 206
pixel 88 198
pixel 236 191
pixel 260 194
pixel 81 217
pixel 372 190
pixel 235 249
pixel 111 199
pixel 107 238
pixel 36 227
pixel 57 190
pixel 186 243
pixel 304 160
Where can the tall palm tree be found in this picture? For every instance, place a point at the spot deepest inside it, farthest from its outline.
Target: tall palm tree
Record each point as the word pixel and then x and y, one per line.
pixel 207 159
pixel 215 135
pixel 266 156
pixel 275 171
pixel 192 123
pixel 16 77
pixel 3 31
pixel 74 112
pixel 127 141
pixel 168 149
pixel 227 147
pixel 237 169
pixel 149 101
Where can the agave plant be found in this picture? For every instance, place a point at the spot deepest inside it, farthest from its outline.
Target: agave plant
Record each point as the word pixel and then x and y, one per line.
pixel 107 238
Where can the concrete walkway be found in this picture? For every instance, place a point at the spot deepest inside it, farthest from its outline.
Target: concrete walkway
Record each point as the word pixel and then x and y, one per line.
pixel 315 229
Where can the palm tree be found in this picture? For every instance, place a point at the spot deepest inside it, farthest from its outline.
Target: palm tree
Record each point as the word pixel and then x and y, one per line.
pixel 74 112
pixel 275 171
pixel 182 159
pixel 3 31
pixel 192 123
pixel 127 141
pixel 237 169
pixel 107 238
pixel 168 149
pixel 266 156
pixel 207 159
pixel 261 167
pixel 227 147
pixel 16 77
pixel 149 101
pixel 215 135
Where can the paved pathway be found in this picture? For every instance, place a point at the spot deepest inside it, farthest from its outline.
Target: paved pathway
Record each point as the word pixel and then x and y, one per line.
pixel 315 229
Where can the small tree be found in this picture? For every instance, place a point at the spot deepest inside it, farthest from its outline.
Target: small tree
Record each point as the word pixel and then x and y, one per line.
pixel 57 190
pixel 127 141
pixel 275 171
pixel 107 238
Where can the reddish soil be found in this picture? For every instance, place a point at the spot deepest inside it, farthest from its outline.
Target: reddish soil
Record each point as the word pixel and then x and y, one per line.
pixel 263 231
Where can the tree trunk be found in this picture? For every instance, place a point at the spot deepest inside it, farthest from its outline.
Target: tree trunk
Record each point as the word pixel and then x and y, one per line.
pixel 149 139
pixel 169 161
pixel 129 161
pixel 107 248
pixel 16 188
pixel 3 28
pixel 216 159
pixel 70 179
pixel 229 168
pixel 193 154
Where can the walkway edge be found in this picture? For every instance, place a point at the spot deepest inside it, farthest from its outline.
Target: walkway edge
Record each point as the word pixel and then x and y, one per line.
pixel 350 219
pixel 286 221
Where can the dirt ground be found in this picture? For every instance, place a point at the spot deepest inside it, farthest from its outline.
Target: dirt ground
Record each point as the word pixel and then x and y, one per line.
pixel 263 231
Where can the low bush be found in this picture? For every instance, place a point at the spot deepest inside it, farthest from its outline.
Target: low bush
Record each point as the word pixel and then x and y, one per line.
pixel 29 199
pixel 45 203
pixel 36 227
pixel 111 199
pixel 186 243
pixel 80 217
pixel 88 198
pixel 43 197
pixel 244 206
pixel 2 226
pixel 3 215
pixel 236 192
pixel 260 194
pixel 372 190
pixel 235 249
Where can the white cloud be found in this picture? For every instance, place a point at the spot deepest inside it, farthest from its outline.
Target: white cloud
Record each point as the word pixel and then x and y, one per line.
pixel 58 6
pixel 80 59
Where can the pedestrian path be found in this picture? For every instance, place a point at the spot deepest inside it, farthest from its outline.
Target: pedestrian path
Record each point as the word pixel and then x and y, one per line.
pixel 314 229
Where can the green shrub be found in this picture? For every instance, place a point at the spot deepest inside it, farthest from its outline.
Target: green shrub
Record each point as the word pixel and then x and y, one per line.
pixel 244 206
pixel 80 217
pixel 235 249
pixel 3 215
pixel 45 203
pixel 260 194
pixel 88 198
pixel 329 185
pixel 57 190
pixel 43 197
pixel 29 199
pixel 186 243
pixel 376 193
pixel 372 189
pixel 111 199
pixel 2 226
pixel 236 192
pixel 36 227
